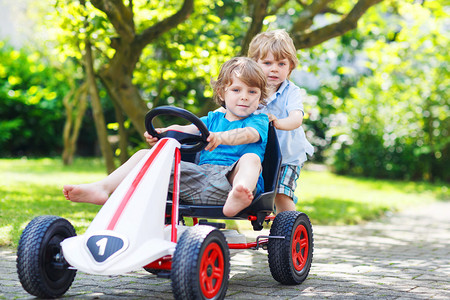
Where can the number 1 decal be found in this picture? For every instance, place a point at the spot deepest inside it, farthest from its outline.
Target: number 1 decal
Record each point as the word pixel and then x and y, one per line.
pixel 102 246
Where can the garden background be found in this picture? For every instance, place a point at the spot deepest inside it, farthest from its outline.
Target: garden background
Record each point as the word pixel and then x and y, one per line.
pixel 77 78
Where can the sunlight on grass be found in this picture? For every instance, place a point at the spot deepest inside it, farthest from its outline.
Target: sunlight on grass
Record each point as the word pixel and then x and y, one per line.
pixel 6 235
pixel 32 187
pixel 332 199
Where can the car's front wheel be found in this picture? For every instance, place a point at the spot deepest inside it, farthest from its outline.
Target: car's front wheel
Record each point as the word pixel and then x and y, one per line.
pixel 42 270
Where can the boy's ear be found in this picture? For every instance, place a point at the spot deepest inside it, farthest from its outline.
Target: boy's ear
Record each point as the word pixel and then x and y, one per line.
pixel 223 102
pixel 220 95
pixel 291 66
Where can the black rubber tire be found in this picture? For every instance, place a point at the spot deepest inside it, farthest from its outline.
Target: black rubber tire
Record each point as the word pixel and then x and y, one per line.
pixel 201 264
pixel 38 246
pixel 290 258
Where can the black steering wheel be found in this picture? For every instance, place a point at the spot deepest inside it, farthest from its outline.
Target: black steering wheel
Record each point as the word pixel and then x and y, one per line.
pixel 190 143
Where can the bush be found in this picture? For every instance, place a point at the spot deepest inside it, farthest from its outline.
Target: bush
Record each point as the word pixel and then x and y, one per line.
pixel 31 112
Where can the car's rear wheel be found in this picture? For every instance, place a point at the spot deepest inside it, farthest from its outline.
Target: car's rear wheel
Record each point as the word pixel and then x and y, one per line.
pixel 290 257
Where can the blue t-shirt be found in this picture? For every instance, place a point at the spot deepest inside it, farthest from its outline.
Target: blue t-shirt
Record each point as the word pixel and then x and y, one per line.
pixel 227 155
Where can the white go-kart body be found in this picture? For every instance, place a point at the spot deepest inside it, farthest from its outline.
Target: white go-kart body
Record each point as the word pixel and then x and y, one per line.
pixel 132 230
pixel 129 231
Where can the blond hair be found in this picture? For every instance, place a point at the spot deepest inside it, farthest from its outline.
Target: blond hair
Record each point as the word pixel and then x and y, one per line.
pixel 278 42
pixel 247 70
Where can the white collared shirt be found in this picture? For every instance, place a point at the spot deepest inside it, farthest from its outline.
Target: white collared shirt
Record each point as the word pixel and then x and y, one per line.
pixel 294 145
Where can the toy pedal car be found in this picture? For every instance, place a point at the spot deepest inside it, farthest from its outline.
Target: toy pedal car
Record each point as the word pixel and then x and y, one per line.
pixel 138 227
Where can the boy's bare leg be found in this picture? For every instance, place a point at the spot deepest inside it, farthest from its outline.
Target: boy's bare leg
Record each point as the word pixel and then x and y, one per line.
pixel 284 203
pixel 98 192
pixel 243 178
pixel 94 193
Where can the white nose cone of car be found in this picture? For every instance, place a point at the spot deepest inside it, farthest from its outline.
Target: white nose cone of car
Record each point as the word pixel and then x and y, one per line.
pixel 129 231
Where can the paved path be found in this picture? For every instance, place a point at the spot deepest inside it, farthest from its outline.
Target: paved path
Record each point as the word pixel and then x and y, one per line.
pixel 405 256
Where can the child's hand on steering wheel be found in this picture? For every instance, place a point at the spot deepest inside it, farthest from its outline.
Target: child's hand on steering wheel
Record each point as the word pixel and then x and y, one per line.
pixel 152 140
pixel 214 139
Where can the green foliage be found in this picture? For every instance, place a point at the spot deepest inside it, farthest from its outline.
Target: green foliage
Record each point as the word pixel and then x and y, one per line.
pixel 328 72
pixel 30 103
pixel 378 103
pixel 178 67
pixel 398 119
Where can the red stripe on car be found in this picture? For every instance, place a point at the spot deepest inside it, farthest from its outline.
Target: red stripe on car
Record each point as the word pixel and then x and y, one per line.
pixel 135 184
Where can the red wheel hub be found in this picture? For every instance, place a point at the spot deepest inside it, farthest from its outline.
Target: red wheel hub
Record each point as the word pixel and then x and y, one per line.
pixel 300 247
pixel 212 269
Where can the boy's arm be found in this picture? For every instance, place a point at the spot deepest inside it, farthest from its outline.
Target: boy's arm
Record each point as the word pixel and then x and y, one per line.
pixel 238 136
pixel 151 140
pixel 192 129
pixel 293 121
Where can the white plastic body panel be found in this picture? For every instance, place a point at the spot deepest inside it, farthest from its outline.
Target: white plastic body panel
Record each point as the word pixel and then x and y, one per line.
pixel 129 232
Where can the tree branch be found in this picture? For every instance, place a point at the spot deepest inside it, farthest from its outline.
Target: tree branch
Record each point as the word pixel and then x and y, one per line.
pixel 121 17
pixel 274 9
pixel 153 32
pixel 302 3
pixel 306 17
pixel 258 14
pixel 331 11
pixel 309 39
pixel 130 8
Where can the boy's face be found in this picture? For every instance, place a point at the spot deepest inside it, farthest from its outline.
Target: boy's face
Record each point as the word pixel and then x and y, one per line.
pixel 276 71
pixel 240 99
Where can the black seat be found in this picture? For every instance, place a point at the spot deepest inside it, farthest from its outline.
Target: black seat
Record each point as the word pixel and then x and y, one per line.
pixel 261 206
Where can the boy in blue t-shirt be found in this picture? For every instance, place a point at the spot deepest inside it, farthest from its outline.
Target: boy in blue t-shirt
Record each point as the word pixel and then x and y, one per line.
pixel 229 170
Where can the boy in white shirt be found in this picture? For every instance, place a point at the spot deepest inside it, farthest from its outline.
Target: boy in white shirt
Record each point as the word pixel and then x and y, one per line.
pixel 275 52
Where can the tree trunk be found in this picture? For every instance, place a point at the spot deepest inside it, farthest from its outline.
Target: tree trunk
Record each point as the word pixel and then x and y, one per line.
pixel 75 104
pixel 99 118
pixel 123 135
pixel 117 75
pixel 118 82
pixel 259 12
pixel 67 127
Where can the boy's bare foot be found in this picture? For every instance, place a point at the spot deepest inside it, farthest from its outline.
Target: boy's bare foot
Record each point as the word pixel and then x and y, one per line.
pixel 239 198
pixel 88 193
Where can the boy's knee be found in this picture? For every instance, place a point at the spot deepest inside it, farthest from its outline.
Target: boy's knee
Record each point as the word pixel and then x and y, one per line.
pixel 251 158
pixel 142 152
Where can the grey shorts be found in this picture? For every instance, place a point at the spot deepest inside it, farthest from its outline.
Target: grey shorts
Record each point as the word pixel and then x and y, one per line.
pixel 203 185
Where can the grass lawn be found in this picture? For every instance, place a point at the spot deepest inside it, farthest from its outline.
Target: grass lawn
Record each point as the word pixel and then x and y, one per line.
pixel 331 199
pixel 32 187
